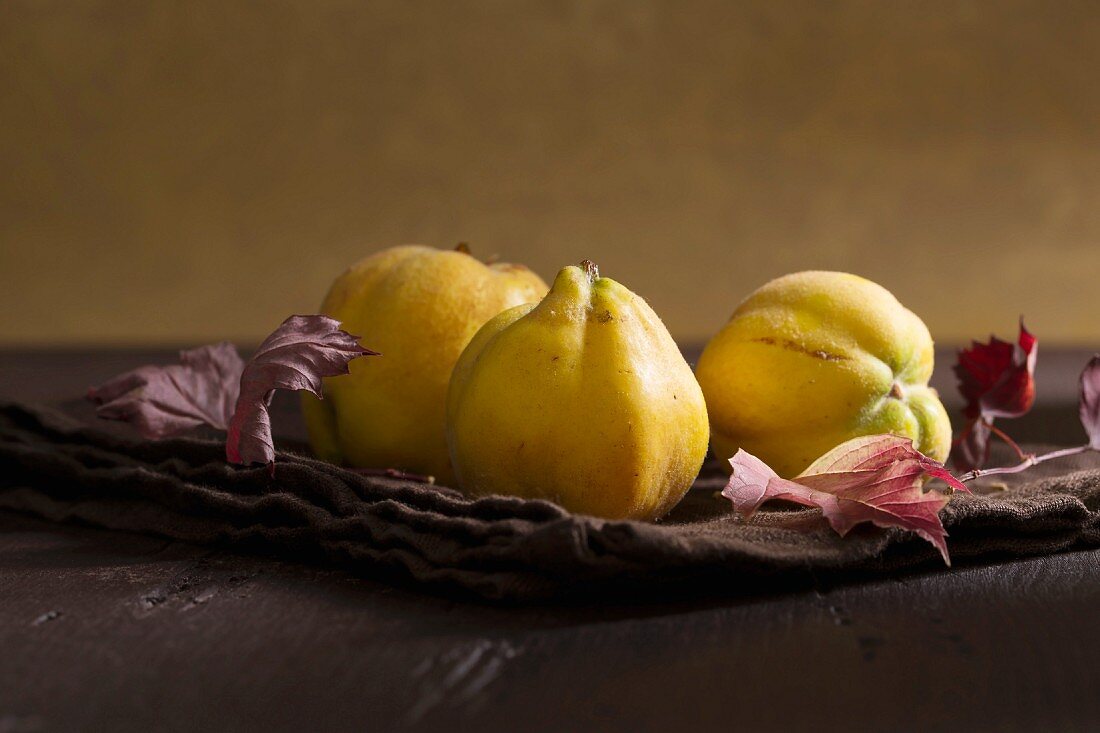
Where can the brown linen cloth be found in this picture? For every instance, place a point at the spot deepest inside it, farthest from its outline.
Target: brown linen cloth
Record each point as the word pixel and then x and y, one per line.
pixel 59 468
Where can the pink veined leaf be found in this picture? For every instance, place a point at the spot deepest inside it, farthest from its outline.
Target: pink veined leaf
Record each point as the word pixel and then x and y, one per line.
pixel 162 401
pixel 753 482
pixel 877 479
pixel 998 378
pixel 868 451
pixel 876 451
pixel 296 356
pixel 1090 401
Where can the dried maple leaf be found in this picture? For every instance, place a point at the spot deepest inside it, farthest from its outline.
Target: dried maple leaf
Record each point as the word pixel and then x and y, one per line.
pixel 878 479
pixel 161 401
pixel 1090 401
pixel 998 379
pixel 296 356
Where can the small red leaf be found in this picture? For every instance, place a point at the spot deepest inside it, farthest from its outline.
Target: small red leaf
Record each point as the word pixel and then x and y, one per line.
pixel 972 449
pixel 296 356
pixel 1090 401
pixel 998 379
pixel 877 479
pixel 161 401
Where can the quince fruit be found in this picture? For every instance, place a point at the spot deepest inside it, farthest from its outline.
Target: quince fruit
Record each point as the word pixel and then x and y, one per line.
pixel 418 306
pixel 813 359
pixel 583 399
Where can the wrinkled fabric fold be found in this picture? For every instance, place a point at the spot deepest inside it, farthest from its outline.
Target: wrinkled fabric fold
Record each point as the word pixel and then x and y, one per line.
pixel 57 467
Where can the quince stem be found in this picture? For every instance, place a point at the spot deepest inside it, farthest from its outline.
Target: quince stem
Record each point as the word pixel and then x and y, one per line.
pixel 464 248
pixel 591 270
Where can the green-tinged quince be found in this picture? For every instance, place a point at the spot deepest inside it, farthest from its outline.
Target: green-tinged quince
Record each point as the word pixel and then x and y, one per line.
pixel 813 359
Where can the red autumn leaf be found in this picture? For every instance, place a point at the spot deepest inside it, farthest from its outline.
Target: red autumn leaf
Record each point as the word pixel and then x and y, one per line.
pixel 998 379
pixel 877 479
pixel 296 356
pixel 972 448
pixel 161 401
pixel 1090 401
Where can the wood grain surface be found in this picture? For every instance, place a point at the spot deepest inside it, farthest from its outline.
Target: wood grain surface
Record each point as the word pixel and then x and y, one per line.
pixel 109 631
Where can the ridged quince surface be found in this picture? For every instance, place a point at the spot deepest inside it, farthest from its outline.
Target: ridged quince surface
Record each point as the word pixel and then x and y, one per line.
pixel 813 359
pixel 418 306
pixel 583 399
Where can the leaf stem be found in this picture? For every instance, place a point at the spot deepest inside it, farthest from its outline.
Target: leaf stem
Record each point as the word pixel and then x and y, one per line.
pixel 1026 463
pixel 1012 443
pixel 965 433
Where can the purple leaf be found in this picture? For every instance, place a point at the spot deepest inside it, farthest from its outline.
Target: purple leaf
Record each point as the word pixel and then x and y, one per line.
pixel 877 479
pixel 1090 401
pixel 161 401
pixel 296 356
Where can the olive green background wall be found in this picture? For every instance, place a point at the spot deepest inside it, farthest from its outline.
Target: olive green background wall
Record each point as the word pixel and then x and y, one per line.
pixel 182 172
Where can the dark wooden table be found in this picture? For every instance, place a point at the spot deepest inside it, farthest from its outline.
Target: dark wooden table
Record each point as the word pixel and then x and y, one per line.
pixel 107 631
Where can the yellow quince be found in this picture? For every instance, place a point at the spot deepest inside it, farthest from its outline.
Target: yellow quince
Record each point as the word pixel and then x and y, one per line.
pixel 813 359
pixel 418 306
pixel 583 399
